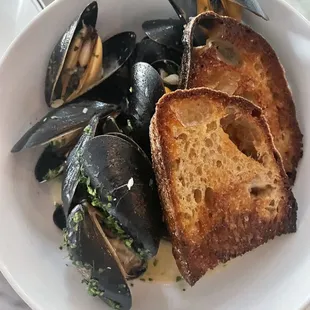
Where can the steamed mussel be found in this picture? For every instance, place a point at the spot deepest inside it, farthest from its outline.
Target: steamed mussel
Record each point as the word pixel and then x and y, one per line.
pixel 81 61
pixel 115 225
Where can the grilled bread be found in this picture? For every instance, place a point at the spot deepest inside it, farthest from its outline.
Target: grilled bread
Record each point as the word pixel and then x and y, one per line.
pixel 238 61
pixel 221 180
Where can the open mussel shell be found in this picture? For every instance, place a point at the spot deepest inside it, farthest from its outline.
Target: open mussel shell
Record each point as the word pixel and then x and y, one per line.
pixel 84 61
pixel 51 163
pixel 184 9
pixel 123 177
pixel 57 60
pixel 72 173
pixel 147 89
pixel 92 254
pixel 167 32
pixel 63 121
pixel 149 51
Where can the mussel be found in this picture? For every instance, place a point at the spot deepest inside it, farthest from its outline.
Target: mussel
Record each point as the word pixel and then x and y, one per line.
pixel 51 163
pixel 91 252
pixel 147 88
pixel 73 166
pixel 81 61
pixel 117 225
pixel 63 121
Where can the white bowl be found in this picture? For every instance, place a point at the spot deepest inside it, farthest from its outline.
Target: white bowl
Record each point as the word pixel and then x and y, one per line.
pixel 275 276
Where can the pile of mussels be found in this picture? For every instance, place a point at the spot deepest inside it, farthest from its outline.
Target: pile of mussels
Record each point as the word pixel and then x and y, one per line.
pixel 103 95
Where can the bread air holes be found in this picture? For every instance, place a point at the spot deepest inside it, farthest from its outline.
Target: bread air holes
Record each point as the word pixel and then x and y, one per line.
pixel 197 195
pixel 243 134
pixel 209 196
pixel 211 126
pixel 261 191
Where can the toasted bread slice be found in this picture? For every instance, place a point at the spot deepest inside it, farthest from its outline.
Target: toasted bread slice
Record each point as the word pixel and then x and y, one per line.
pixel 221 181
pixel 238 61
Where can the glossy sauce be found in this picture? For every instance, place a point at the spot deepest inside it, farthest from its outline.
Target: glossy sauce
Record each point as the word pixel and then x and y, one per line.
pixel 163 267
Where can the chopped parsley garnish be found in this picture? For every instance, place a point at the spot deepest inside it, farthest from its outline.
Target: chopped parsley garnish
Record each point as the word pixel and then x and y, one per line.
pixel 178 279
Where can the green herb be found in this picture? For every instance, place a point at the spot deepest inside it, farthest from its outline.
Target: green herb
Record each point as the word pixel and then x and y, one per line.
pixel 57 205
pixel 93 288
pixel 155 262
pixel 142 279
pixel 184 289
pixel 111 223
pixel 52 174
pixel 78 217
pixel 128 243
pixel 150 279
pixel 178 279
pixel 60 248
pixel 113 304
pixel 87 130
pixel 131 284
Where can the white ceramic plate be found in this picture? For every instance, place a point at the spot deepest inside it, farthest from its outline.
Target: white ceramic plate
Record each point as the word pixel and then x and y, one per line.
pixel 275 276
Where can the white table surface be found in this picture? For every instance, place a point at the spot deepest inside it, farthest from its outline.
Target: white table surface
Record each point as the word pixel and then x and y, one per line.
pixel 14 16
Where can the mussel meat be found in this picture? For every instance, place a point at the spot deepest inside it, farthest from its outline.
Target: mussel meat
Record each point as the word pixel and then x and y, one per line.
pixel 81 61
pixel 169 72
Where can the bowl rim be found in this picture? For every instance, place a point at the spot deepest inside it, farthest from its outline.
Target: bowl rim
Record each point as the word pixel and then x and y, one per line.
pixel 34 23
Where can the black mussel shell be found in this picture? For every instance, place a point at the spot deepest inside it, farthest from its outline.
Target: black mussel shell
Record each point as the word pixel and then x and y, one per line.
pixel 49 165
pixel 93 257
pixel 252 6
pixel 147 89
pixel 59 217
pixel 185 9
pixel 123 178
pixel 62 121
pixel 58 56
pixel 167 32
pixel 116 51
pixel 149 51
pixel 72 173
